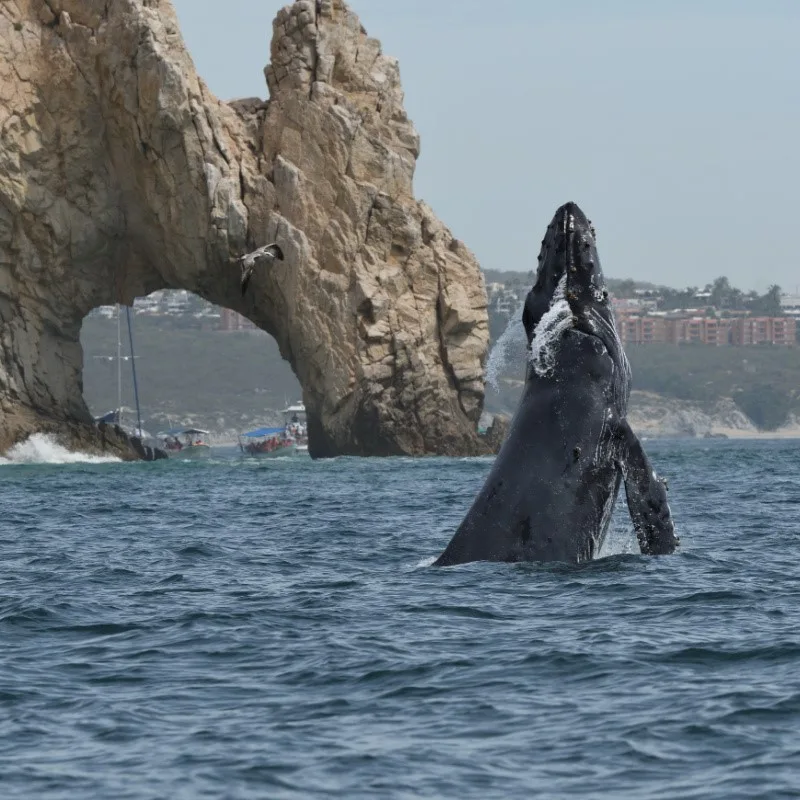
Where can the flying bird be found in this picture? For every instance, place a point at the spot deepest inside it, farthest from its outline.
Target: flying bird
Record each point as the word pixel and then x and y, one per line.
pixel 248 261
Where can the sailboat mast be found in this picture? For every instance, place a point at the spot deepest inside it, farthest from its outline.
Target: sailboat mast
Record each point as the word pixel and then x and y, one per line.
pixel 119 369
pixel 133 371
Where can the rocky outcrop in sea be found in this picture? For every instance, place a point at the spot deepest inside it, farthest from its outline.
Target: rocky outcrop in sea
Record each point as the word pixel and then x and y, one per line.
pixel 121 174
pixel 655 415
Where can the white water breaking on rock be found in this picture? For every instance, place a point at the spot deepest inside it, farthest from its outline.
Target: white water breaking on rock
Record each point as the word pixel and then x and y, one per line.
pixel 41 448
pixel 513 334
pixel 548 332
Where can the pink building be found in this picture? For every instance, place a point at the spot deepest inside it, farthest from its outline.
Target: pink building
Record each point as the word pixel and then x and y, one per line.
pixel 764 330
pixel 645 329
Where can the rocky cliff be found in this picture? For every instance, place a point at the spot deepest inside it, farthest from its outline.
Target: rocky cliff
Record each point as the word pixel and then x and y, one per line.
pixel 655 415
pixel 120 173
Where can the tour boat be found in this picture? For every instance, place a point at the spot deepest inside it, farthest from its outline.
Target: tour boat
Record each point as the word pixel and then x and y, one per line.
pixel 267 443
pixel 296 425
pixel 289 440
pixel 185 443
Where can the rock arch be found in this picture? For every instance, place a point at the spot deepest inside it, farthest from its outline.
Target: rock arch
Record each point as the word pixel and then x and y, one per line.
pixel 120 174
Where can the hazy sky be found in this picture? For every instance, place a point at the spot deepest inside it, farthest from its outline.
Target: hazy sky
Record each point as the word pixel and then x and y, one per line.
pixel 674 124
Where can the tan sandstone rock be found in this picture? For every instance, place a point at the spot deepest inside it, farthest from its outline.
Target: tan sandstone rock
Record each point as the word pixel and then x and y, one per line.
pixel 120 174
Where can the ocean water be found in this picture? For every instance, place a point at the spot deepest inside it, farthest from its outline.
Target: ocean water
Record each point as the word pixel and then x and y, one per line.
pixel 274 630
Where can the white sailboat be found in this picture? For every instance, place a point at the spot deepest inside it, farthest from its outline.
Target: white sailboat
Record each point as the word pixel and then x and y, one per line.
pixel 117 416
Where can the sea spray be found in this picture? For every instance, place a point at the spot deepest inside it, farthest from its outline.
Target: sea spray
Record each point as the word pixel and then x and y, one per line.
pixel 548 332
pixel 41 448
pixel 543 347
pixel 514 334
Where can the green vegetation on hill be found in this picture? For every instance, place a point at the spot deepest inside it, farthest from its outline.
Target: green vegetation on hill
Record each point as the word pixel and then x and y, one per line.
pixel 719 295
pixel 702 373
pixel 764 381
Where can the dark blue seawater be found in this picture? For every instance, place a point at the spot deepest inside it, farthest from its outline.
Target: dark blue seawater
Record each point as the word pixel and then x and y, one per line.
pixel 272 630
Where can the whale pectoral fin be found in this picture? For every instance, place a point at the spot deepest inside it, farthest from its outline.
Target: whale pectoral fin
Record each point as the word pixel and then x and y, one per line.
pixel 647 497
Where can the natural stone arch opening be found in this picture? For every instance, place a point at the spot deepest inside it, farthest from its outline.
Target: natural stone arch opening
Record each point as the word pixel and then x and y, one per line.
pixel 196 364
pixel 120 174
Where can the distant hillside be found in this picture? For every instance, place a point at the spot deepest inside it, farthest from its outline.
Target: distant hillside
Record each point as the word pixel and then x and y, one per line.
pixel 512 279
pixel 509 277
pixel 228 382
pixel 220 381
pixel 762 381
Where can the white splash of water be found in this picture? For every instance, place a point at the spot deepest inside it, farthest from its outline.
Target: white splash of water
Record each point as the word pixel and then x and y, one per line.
pixel 620 539
pixel 514 334
pixel 41 448
pixel 548 332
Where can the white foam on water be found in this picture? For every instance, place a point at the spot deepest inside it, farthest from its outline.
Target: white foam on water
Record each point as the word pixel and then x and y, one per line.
pixel 620 539
pixel 553 323
pixel 42 448
pixel 513 334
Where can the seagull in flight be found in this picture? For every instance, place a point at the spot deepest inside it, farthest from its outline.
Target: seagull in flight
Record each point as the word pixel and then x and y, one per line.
pixel 248 261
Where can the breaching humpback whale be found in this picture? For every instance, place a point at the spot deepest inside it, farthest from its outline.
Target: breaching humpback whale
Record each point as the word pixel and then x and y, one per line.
pixel 551 491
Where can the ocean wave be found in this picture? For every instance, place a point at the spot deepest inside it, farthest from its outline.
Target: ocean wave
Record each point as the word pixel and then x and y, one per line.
pixel 155 620
pixel 43 448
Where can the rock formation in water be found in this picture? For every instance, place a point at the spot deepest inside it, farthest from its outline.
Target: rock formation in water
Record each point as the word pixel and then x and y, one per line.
pixel 656 415
pixel 497 432
pixel 121 174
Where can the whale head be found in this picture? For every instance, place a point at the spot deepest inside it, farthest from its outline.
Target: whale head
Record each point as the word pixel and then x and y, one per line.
pixel 570 292
pixel 569 269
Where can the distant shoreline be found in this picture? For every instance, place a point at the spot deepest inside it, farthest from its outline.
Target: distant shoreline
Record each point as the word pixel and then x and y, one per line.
pixel 727 433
